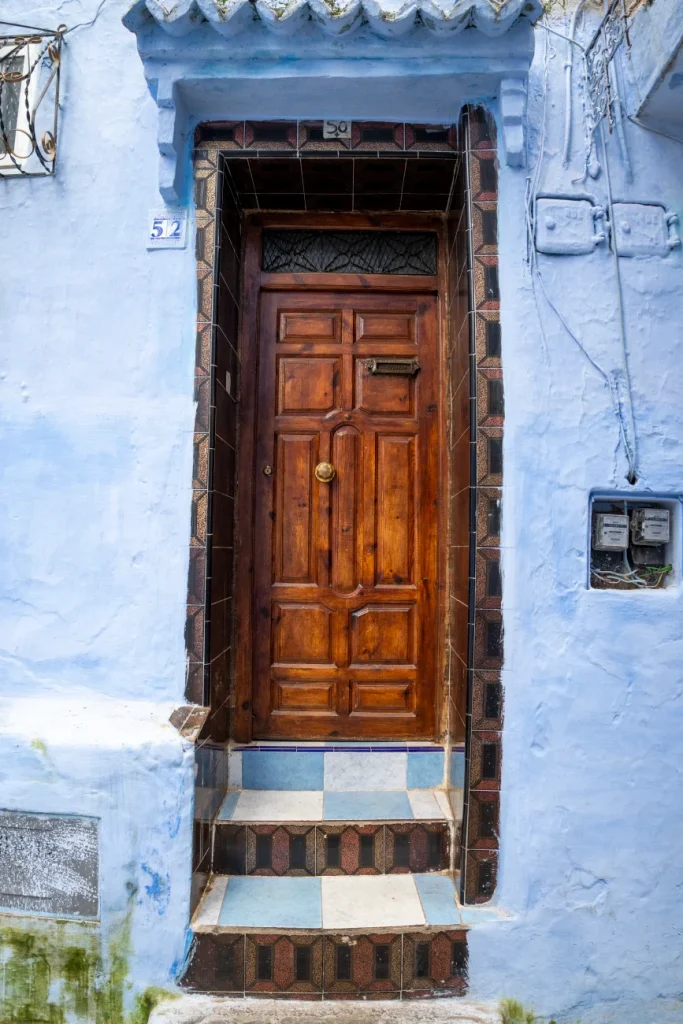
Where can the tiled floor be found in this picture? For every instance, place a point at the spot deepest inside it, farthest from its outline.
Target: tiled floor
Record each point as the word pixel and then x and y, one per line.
pixel 319 805
pixel 336 903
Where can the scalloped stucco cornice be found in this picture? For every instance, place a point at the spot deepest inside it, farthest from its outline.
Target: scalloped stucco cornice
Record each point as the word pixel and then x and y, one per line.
pixel 387 18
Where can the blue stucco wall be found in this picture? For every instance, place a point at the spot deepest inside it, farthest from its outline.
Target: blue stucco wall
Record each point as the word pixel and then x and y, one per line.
pixel 97 415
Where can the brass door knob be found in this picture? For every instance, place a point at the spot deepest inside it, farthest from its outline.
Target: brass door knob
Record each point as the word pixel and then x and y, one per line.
pixel 325 472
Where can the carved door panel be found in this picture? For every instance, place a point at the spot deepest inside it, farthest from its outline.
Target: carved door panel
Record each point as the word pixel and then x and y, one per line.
pixel 345 589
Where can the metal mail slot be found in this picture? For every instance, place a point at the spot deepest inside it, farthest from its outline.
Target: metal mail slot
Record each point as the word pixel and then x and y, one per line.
pixel 395 367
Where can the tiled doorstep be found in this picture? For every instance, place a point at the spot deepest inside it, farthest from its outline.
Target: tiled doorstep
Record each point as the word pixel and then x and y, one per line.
pixel 332 903
pixel 337 770
pixel 316 805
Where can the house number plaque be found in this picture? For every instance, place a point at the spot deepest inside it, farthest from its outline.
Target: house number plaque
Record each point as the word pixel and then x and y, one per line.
pixel 336 129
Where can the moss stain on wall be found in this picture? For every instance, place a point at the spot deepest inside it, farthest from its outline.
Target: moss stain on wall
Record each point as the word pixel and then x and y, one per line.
pixel 54 972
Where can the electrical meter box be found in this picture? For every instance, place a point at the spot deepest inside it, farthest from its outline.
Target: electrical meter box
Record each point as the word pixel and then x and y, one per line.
pixel 610 533
pixel 650 526
pixel 634 542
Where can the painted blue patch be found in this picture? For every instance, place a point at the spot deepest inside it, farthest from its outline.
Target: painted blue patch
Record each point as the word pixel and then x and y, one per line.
pixel 425 770
pixel 158 890
pixel 255 902
pixel 438 899
pixel 228 806
pixel 277 769
pixel 366 806
pixel 457 769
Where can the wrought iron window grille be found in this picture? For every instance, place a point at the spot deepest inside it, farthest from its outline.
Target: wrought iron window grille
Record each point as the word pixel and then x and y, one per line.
pixel 30 65
pixel 349 252
pixel 610 34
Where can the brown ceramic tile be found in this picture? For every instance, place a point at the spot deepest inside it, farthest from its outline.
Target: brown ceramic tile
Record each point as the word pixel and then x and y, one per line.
pixel 413 847
pixel 488 587
pixel 490 456
pixel 350 849
pixel 291 964
pixel 375 135
pixel 200 460
pixel 485 227
pixel 487 701
pixel 198 529
pixel 488 516
pixel 202 396
pixel 280 850
pixel 487 338
pixel 204 293
pixel 432 138
pixel 434 962
pixel 490 406
pixel 488 639
pixel 367 966
pixel 481 875
pixel 270 135
pixel 311 138
pixel 482 130
pixel 486 285
pixel 485 757
pixel 215 964
pixel 194 632
pixel 484 176
pixel 484 812
pixel 229 849
pixel 196 583
pixel 205 190
pixel 203 350
pixel 194 682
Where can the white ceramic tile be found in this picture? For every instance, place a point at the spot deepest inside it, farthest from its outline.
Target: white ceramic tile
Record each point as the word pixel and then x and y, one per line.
pixel 207 913
pixel 362 773
pixel 235 769
pixel 370 901
pixel 279 805
pixel 454 809
pixel 425 805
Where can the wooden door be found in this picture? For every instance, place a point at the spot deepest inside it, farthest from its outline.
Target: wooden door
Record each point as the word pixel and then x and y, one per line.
pixel 345 610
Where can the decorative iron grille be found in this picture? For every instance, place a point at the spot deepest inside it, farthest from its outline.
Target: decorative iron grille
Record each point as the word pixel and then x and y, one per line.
pixel 613 30
pixel 30 63
pixel 349 252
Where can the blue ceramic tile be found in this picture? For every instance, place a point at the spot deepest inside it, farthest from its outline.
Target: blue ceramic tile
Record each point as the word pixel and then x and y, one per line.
pixel 277 769
pixel 254 902
pixel 438 899
pixel 390 805
pixel 228 806
pixel 425 770
pixel 457 769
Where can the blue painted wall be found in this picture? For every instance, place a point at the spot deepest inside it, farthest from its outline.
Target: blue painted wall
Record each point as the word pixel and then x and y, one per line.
pixel 97 415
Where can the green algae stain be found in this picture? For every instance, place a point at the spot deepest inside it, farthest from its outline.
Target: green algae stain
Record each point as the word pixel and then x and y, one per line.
pixel 55 972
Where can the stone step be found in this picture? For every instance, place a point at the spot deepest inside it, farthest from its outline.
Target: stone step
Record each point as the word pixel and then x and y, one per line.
pixel 272 805
pixel 341 767
pixel 202 1009
pixel 331 848
pixel 375 936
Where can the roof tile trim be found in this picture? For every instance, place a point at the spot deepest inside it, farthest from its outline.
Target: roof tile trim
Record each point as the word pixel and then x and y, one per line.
pixel 388 18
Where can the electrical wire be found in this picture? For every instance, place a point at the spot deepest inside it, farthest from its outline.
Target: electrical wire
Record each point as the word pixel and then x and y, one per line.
pixel 631 446
pixel 568 67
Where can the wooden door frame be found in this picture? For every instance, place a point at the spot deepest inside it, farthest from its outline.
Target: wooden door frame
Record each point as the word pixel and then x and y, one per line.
pixel 255 281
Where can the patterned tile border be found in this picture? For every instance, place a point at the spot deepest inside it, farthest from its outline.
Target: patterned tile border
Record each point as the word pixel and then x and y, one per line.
pixel 323 966
pixel 331 849
pixel 484 712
